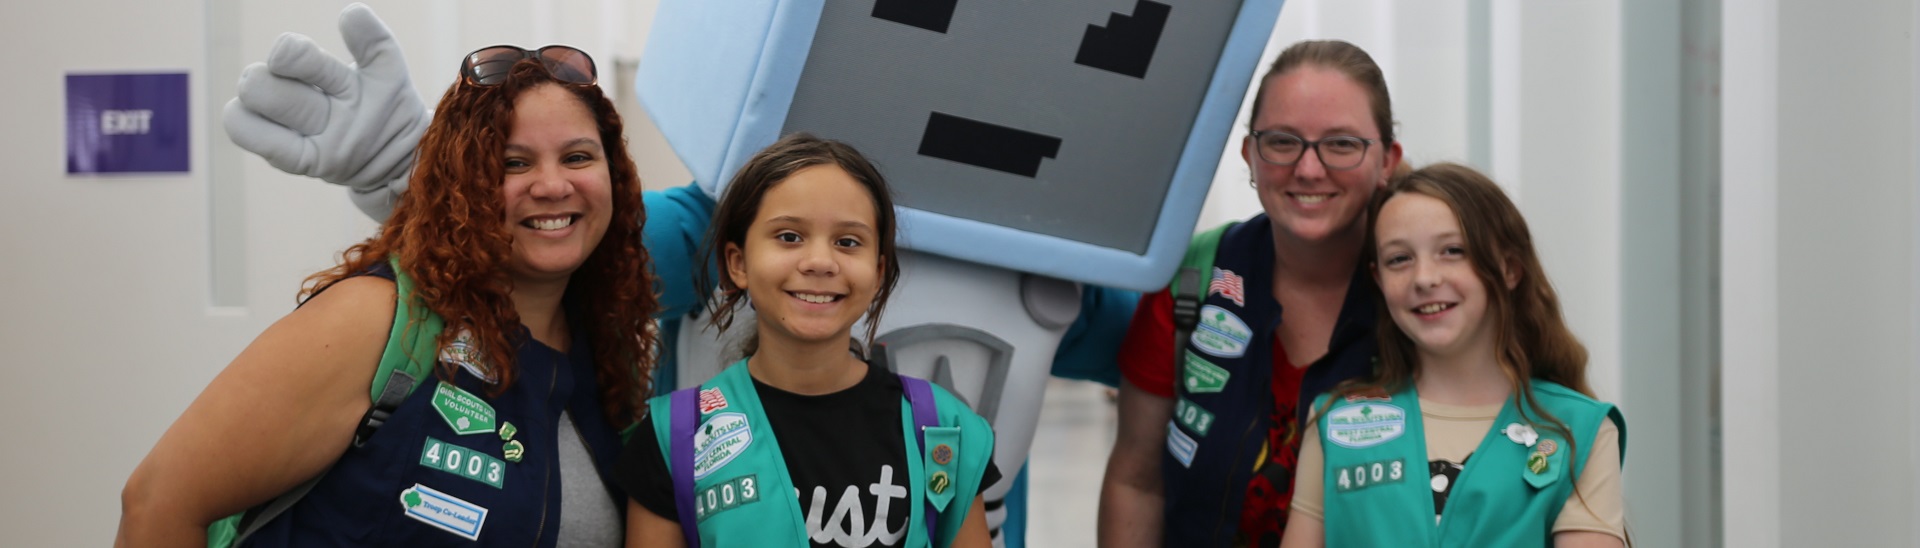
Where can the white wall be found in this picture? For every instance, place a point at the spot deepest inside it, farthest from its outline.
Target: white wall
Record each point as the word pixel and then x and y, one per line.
pixel 1818 273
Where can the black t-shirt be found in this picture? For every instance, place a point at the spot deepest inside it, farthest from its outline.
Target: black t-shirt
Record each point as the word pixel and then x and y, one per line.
pixel 844 450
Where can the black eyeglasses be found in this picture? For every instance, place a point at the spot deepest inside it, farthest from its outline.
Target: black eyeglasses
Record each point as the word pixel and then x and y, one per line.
pixel 490 65
pixel 1285 149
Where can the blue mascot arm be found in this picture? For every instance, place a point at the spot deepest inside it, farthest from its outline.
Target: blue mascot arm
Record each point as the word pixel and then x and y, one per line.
pixel 677 220
pixel 1091 348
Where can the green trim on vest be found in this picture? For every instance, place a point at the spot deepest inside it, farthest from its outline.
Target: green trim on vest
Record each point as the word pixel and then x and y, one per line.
pixel 1377 489
pixel 412 348
pixel 774 517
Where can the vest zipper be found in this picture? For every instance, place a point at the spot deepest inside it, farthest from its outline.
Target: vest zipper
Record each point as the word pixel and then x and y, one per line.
pixel 546 484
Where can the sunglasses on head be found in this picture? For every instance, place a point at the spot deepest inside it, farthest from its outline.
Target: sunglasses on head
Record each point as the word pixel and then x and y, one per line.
pixel 489 66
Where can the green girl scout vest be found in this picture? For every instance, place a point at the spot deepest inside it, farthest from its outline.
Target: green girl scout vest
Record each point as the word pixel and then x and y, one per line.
pixel 742 494
pixel 1378 492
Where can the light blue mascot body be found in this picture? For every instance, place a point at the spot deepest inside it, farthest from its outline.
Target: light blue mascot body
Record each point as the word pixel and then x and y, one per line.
pixel 1042 153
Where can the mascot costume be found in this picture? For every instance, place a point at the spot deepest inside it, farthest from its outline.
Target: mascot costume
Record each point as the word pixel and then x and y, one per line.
pixel 1042 155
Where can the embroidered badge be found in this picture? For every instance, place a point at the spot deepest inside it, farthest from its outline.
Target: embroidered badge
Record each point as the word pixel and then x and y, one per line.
pixel 721 439
pixel 939 483
pixel 1369 394
pixel 465 412
pixel 942 454
pixel 1364 475
pixel 1221 333
pixel 712 400
pixel 1193 417
pixel 1229 285
pixel 1546 447
pixel 443 511
pixel 463 462
pixel 1180 445
pixel 1540 463
pixel 1366 425
pixel 513 451
pixel 465 352
pixel 1202 376
pixel 725 496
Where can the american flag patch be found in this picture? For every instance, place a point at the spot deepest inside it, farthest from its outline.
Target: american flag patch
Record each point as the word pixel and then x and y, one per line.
pixel 712 400
pixel 1226 283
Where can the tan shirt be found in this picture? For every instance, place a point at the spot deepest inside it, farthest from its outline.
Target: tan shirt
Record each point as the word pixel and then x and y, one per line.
pixel 1453 432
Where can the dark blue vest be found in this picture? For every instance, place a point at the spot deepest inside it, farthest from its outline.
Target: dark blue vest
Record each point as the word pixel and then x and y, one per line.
pixel 359 501
pixel 1217 431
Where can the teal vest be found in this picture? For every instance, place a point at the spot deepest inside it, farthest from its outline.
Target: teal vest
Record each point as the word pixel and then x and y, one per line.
pixel 1377 490
pixel 744 496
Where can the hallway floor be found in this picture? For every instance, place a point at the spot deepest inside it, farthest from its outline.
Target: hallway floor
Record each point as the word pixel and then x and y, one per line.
pixel 1077 425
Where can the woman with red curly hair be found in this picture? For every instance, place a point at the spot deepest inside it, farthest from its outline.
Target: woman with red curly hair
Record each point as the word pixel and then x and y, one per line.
pixel 506 238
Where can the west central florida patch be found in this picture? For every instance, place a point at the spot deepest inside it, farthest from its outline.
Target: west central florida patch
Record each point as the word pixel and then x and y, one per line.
pixel 1366 424
pixel 1221 333
pixel 721 439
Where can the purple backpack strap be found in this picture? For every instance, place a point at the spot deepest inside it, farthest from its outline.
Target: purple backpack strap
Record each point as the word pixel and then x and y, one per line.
pixel 685 412
pixel 920 397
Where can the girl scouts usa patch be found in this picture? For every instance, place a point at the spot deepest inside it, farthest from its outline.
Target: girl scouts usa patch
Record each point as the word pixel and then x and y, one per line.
pixel 719 440
pixel 1366 424
pixel 1221 333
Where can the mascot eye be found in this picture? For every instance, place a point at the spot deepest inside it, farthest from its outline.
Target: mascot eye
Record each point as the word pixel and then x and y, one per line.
pixel 1126 44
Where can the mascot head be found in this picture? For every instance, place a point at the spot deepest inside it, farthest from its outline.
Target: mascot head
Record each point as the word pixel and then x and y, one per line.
pixel 1068 138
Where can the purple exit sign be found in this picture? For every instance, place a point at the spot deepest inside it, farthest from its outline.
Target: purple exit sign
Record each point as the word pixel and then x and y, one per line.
pixel 127 123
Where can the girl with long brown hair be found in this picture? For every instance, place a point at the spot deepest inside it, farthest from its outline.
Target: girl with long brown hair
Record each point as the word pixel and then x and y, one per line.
pixel 1478 415
pixel 515 239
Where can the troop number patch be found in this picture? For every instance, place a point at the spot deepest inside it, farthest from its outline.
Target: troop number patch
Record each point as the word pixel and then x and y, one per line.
pixel 1364 475
pixel 463 462
pixel 731 494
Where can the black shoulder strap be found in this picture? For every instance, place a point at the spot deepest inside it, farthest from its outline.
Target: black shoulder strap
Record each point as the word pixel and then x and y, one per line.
pixel 1187 290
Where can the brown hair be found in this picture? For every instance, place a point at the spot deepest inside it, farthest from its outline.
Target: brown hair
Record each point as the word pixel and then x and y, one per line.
pixel 1531 339
pixel 741 203
pixel 1340 56
pixel 450 235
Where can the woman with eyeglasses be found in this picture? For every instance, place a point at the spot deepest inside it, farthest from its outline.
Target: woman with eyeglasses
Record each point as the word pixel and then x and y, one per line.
pixel 460 377
pixel 1210 423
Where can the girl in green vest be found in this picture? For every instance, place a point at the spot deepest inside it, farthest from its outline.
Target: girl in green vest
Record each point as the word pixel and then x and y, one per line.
pixel 1477 428
pixel 803 442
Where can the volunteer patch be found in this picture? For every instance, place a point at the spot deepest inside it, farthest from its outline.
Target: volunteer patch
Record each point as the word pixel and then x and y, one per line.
pixel 721 439
pixel 463 411
pixel 712 400
pixel 734 493
pixel 1202 376
pixel 1366 425
pixel 1221 333
pixel 444 511
pixel 1180 445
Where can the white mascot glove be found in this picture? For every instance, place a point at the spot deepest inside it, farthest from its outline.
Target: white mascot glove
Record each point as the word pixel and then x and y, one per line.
pixel 310 114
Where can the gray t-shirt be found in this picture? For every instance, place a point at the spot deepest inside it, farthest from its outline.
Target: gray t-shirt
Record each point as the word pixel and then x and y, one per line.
pixel 587 515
